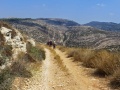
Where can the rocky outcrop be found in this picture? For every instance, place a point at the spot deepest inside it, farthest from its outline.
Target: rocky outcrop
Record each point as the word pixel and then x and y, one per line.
pixel 17 42
pixel 14 40
pixel 65 32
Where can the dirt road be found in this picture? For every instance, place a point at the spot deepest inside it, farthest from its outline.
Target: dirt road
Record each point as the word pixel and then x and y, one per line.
pixel 52 77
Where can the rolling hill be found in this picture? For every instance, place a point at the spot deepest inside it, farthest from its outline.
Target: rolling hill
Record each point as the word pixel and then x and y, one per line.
pixel 66 32
pixel 109 26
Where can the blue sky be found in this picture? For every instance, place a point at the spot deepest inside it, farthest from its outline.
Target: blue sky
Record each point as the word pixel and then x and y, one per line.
pixel 81 11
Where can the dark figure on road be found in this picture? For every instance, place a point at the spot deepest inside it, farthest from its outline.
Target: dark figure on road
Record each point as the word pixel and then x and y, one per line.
pixel 50 43
pixel 54 45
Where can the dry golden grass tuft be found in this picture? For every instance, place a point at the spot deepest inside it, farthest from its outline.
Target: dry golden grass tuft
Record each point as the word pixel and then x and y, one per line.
pixel 103 60
pixel 105 63
pixel 115 80
pixel 58 60
pixel 27 64
pixel 62 48
pixel 4 24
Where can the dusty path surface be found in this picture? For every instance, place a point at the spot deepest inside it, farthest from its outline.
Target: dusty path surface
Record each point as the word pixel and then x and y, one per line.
pixel 79 75
pixel 52 77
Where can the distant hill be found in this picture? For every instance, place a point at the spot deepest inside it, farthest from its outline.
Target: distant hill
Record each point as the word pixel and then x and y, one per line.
pixel 109 26
pixel 87 36
pixel 60 22
pixel 66 32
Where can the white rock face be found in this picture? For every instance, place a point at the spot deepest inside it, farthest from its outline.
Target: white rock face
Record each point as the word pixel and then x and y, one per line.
pixel 17 42
pixel 2 67
pixel 6 33
pixel 31 41
pixel 5 30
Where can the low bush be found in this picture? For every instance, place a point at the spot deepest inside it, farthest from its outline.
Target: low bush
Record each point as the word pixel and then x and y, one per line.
pixel 106 63
pixel 75 53
pixel 5 53
pixel 115 80
pixel 6 79
pixel 62 48
pixel 19 69
pixel 38 54
pixel 35 52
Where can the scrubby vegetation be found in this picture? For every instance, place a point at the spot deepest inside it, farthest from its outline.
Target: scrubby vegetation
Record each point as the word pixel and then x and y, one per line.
pixel 58 60
pixel 5 53
pixel 35 52
pixel 4 24
pixel 105 63
pixel 25 65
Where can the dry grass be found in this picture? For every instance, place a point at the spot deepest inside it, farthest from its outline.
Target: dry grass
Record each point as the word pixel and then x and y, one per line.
pixel 62 48
pixel 4 24
pixel 26 64
pixel 60 63
pixel 58 60
pixel 5 53
pixel 115 80
pixel 19 69
pixel 106 63
pixel 2 39
pixel 6 79
pixel 102 60
pixel 83 55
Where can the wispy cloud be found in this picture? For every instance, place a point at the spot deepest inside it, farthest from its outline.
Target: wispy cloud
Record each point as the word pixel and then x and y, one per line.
pixel 100 5
pixel 38 6
pixel 44 5
pixel 112 14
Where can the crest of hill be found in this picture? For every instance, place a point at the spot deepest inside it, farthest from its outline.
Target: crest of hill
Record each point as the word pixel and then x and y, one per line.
pixel 58 21
pixel 108 26
pixel 65 33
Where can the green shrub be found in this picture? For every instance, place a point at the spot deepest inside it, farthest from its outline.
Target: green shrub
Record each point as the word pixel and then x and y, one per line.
pixel 5 53
pixel 6 79
pixel 20 69
pixel 36 53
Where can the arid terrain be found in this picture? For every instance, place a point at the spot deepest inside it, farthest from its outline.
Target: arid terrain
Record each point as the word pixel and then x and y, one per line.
pixel 26 64
pixel 67 32
pixel 71 76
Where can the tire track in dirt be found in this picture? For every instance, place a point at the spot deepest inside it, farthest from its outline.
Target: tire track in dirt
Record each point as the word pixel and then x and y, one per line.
pixel 51 77
pixel 77 72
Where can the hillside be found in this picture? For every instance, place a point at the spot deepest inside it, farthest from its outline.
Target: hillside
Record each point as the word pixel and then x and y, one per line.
pixel 59 22
pixel 17 53
pixel 91 37
pixel 41 29
pixel 22 66
pixel 65 32
pixel 109 26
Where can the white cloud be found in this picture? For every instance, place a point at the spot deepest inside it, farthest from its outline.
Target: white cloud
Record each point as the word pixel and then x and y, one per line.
pixel 44 5
pixel 100 4
pixel 111 14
